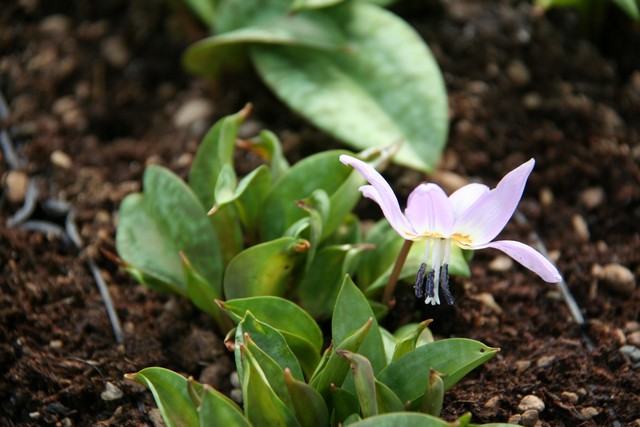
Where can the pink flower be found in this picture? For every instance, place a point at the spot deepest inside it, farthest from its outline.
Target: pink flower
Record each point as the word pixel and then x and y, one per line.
pixel 470 218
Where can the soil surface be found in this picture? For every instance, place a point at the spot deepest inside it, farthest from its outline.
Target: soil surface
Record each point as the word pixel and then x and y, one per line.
pixel 95 92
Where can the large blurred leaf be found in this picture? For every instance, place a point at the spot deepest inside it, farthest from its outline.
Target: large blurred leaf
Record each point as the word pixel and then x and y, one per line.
pixel 164 221
pixel 403 419
pixel 169 390
pixel 310 29
pixel 385 88
pixel 408 375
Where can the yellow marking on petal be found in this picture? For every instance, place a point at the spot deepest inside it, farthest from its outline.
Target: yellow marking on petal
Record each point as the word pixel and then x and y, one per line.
pixel 462 239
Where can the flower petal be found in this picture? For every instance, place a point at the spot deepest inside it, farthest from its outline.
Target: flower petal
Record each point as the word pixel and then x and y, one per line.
pixel 528 257
pixel 465 196
pixel 429 211
pixel 486 217
pixel 380 191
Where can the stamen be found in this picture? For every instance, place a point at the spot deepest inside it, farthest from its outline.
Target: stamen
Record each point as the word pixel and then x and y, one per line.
pixel 430 290
pixel 444 280
pixel 421 281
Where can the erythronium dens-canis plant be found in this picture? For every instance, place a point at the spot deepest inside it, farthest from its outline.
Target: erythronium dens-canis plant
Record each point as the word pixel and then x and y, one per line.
pixel 470 218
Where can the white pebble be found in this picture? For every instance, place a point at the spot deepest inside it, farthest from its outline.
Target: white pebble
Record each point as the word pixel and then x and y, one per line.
pixel 111 392
pixel 501 263
pixel 592 197
pixel 16 183
pixel 531 402
pixel 192 111
pixel 529 418
pixel 580 227
pixel 518 73
pixel 589 412
pixel 61 159
pixel 616 277
pixel 634 338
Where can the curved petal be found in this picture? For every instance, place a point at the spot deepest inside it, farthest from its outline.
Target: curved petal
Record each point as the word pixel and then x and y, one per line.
pixel 528 257
pixel 429 211
pixel 486 217
pixel 396 219
pixel 381 193
pixel 465 196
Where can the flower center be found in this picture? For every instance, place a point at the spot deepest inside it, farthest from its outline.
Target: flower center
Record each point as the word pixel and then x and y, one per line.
pixel 434 272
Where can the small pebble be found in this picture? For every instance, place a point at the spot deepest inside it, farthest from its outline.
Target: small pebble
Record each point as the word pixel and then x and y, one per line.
pixel 518 73
pixel 592 197
pixel 155 416
pixel 570 397
pixel 631 352
pixel 16 183
pixel 61 159
pixel 531 402
pixel 545 361
pixel 634 338
pixel 111 392
pixel 492 403
pixel 192 111
pixel 522 365
pixel 632 326
pixel 616 277
pixel 589 412
pixel 234 379
pixel 546 196
pixel 514 419
pixel 236 395
pixel 501 263
pixel 488 301
pixel 56 25
pixel 450 181
pixel 532 101
pixel 580 227
pixel 55 344
pixel 529 418
pixel 115 52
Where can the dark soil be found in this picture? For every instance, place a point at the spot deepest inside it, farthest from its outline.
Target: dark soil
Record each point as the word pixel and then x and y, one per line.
pixel 94 91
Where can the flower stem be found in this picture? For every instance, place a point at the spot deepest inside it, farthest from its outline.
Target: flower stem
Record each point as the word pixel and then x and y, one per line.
pixel 395 273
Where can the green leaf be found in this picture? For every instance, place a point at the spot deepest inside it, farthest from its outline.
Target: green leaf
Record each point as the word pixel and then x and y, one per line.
pixel 319 171
pixel 169 390
pixel 408 342
pixel 202 293
pixel 351 311
pixel 273 372
pixel 317 207
pixel 165 220
pixel 279 313
pixel 216 152
pixel 270 340
pixel 250 196
pixel 434 395
pixel 310 408
pixel 262 406
pixel 387 399
pixel 313 4
pixel 402 419
pixel 267 145
pixel 309 29
pixel 318 292
pixel 344 403
pixel 217 409
pixel 630 7
pixel 386 88
pixel 263 269
pixel 407 376
pixel 365 382
pixel 334 367
pixel 204 9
